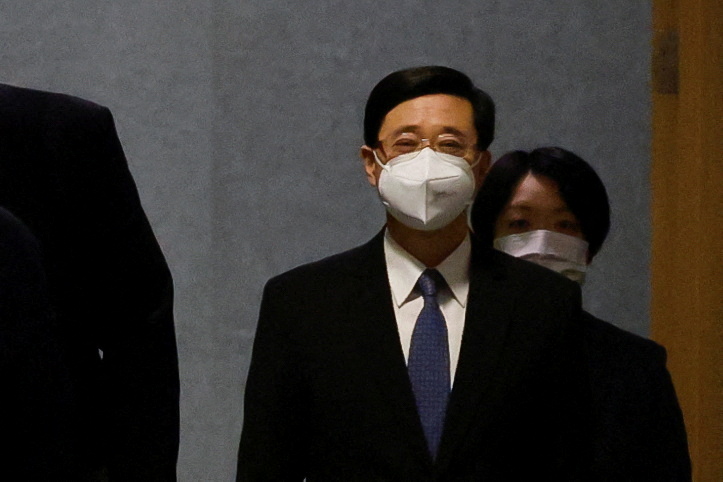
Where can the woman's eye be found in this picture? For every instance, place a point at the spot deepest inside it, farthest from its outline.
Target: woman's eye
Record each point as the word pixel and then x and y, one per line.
pixel 568 225
pixel 518 224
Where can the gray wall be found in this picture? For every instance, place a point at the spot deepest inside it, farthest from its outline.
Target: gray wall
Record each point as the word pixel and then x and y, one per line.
pixel 242 122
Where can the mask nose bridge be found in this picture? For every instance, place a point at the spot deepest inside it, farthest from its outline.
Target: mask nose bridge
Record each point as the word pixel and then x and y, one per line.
pixel 544 221
pixel 411 156
pixel 428 159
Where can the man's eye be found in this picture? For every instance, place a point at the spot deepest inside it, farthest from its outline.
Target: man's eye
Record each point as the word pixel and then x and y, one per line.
pixel 451 146
pixel 451 143
pixel 405 145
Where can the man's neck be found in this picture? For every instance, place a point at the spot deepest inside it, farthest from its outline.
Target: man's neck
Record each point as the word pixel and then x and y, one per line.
pixel 429 247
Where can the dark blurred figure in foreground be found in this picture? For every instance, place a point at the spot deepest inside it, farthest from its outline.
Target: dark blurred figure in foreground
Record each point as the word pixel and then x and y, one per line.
pixel 64 175
pixel 36 405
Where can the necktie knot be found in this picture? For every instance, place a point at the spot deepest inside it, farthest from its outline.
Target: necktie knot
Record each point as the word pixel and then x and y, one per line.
pixel 428 282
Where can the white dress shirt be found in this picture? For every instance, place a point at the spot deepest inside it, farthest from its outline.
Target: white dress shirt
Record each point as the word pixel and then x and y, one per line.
pixel 404 270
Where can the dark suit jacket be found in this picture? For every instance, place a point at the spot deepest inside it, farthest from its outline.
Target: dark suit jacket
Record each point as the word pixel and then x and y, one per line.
pixel 638 432
pixel 328 396
pixel 64 174
pixel 36 401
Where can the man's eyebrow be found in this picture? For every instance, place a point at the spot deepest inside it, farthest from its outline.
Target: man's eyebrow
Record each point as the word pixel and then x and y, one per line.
pixel 415 128
pixel 403 129
pixel 453 130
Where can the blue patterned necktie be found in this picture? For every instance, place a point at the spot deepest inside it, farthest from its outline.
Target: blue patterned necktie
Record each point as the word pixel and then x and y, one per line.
pixel 428 363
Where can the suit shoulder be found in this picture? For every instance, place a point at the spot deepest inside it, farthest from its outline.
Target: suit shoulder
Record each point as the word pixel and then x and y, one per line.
pixel 36 104
pixel 619 343
pixel 326 269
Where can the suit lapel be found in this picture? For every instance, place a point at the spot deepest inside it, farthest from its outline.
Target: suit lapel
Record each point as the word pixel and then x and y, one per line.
pixel 377 337
pixel 477 386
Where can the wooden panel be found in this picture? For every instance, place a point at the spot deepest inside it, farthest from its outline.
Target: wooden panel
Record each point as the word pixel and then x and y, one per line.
pixel 687 213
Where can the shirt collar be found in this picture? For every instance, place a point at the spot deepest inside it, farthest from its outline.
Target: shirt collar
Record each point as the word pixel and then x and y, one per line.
pixel 404 270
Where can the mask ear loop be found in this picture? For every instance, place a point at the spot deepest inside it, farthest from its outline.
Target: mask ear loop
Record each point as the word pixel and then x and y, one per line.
pixel 378 161
pixel 469 203
pixel 475 162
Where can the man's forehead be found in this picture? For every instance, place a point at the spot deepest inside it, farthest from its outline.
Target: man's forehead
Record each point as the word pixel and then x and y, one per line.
pixel 439 110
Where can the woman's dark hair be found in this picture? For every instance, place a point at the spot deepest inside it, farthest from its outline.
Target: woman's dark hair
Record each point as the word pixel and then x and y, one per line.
pixel 408 84
pixel 578 183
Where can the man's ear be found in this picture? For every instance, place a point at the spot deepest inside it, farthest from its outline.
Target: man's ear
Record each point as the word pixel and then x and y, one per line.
pixel 370 165
pixel 480 170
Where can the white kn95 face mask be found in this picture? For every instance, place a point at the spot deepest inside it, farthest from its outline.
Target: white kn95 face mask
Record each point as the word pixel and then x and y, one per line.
pixel 559 252
pixel 426 190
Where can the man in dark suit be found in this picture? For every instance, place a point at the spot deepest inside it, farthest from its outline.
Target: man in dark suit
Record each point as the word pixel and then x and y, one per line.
pixel 63 173
pixel 420 355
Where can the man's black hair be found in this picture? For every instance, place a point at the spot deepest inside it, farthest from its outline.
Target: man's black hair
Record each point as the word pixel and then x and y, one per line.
pixel 408 84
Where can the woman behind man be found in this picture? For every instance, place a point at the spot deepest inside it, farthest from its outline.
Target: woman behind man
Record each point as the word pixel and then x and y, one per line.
pixel 550 207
